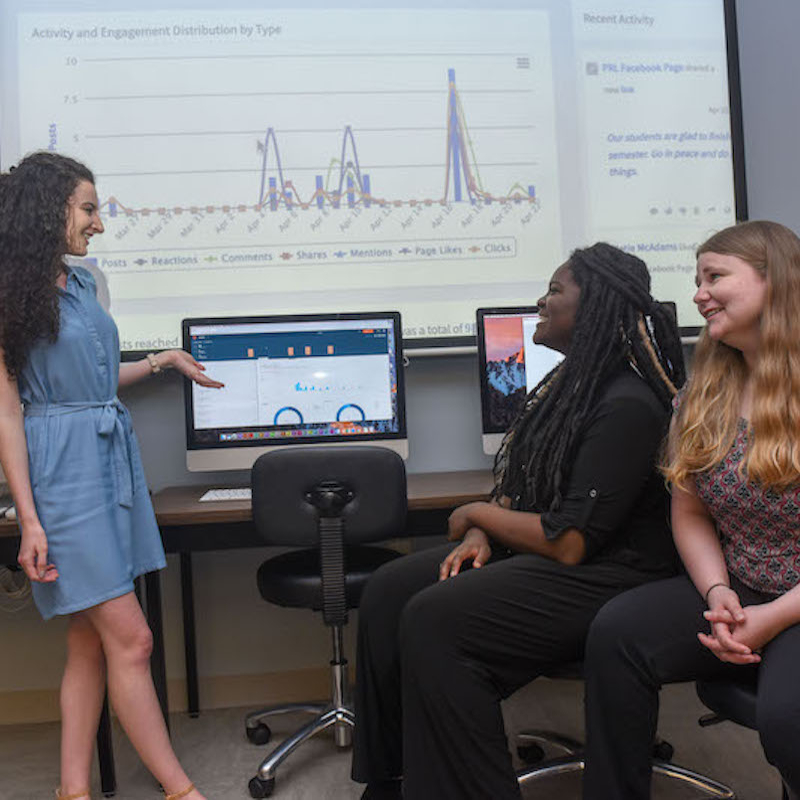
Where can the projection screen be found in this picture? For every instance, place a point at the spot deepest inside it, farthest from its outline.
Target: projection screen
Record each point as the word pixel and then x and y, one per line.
pixel 431 158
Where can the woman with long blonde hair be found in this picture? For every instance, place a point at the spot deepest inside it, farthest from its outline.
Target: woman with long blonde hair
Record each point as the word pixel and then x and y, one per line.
pixel 734 465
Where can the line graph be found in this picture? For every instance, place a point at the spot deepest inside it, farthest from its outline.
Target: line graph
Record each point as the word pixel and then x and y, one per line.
pixel 381 160
pixel 345 180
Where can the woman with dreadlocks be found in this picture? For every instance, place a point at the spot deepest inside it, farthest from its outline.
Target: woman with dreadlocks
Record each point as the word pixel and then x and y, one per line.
pixel 579 514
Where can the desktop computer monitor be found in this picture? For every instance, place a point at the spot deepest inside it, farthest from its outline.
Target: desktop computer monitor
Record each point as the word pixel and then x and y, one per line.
pixel 300 379
pixel 510 366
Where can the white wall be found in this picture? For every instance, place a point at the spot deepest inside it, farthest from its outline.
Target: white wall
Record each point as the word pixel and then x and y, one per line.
pixel 770 66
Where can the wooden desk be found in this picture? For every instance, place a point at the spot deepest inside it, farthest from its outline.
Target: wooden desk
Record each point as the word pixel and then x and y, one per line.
pixel 187 525
pixel 180 506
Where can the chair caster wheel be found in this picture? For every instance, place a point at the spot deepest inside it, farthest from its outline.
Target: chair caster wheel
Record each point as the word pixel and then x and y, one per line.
pixel 259 788
pixel 663 751
pixel 530 753
pixel 261 734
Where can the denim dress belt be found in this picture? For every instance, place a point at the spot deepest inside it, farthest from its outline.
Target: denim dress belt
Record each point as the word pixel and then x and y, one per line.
pixel 109 424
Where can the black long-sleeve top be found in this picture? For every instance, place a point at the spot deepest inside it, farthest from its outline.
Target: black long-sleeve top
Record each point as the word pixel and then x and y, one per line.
pixel 614 494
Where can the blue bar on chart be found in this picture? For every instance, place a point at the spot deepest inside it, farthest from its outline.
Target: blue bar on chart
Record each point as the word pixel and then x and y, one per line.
pixel 351 197
pixel 453 143
pixel 532 192
pixel 366 189
pixel 273 194
pixel 112 209
pixel 320 192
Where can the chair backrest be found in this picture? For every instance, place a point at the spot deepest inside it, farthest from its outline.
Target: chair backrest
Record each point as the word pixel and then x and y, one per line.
pixel 284 484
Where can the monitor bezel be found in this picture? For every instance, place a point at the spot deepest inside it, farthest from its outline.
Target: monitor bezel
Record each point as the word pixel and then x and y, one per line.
pixel 193 447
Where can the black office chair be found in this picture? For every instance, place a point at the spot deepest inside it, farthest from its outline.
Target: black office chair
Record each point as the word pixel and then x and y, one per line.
pixel 733 700
pixel 533 744
pixel 329 501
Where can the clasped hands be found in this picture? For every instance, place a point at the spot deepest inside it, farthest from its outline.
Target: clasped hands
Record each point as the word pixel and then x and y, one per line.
pixel 737 634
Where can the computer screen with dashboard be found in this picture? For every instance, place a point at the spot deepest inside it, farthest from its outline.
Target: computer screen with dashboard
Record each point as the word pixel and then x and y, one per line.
pixel 300 379
pixel 510 365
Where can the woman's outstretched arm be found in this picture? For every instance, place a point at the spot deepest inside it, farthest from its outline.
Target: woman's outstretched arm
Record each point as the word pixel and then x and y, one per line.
pixel 180 360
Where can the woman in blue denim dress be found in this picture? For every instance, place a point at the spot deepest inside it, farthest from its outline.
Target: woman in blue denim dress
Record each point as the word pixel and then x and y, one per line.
pixel 73 466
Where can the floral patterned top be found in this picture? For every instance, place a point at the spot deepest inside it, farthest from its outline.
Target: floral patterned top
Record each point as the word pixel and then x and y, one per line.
pixel 759 529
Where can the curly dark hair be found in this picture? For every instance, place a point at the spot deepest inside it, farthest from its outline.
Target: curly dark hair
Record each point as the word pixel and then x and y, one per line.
pixel 33 224
pixel 617 321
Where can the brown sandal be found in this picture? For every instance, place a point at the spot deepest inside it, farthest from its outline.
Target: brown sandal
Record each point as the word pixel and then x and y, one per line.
pixel 74 796
pixel 190 788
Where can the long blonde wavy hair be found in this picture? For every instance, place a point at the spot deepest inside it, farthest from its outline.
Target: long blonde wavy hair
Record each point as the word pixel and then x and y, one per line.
pixel 705 426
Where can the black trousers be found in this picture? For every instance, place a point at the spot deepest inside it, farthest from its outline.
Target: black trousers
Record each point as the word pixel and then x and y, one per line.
pixel 435 659
pixel 648 637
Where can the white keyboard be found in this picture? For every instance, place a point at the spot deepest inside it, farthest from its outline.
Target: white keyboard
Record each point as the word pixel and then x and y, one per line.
pixel 211 495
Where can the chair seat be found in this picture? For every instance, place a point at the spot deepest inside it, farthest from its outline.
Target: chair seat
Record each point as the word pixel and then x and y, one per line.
pixel 293 579
pixel 731 699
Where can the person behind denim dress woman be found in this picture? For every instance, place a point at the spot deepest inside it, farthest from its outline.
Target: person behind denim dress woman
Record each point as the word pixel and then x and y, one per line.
pixel 734 464
pixel 72 463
